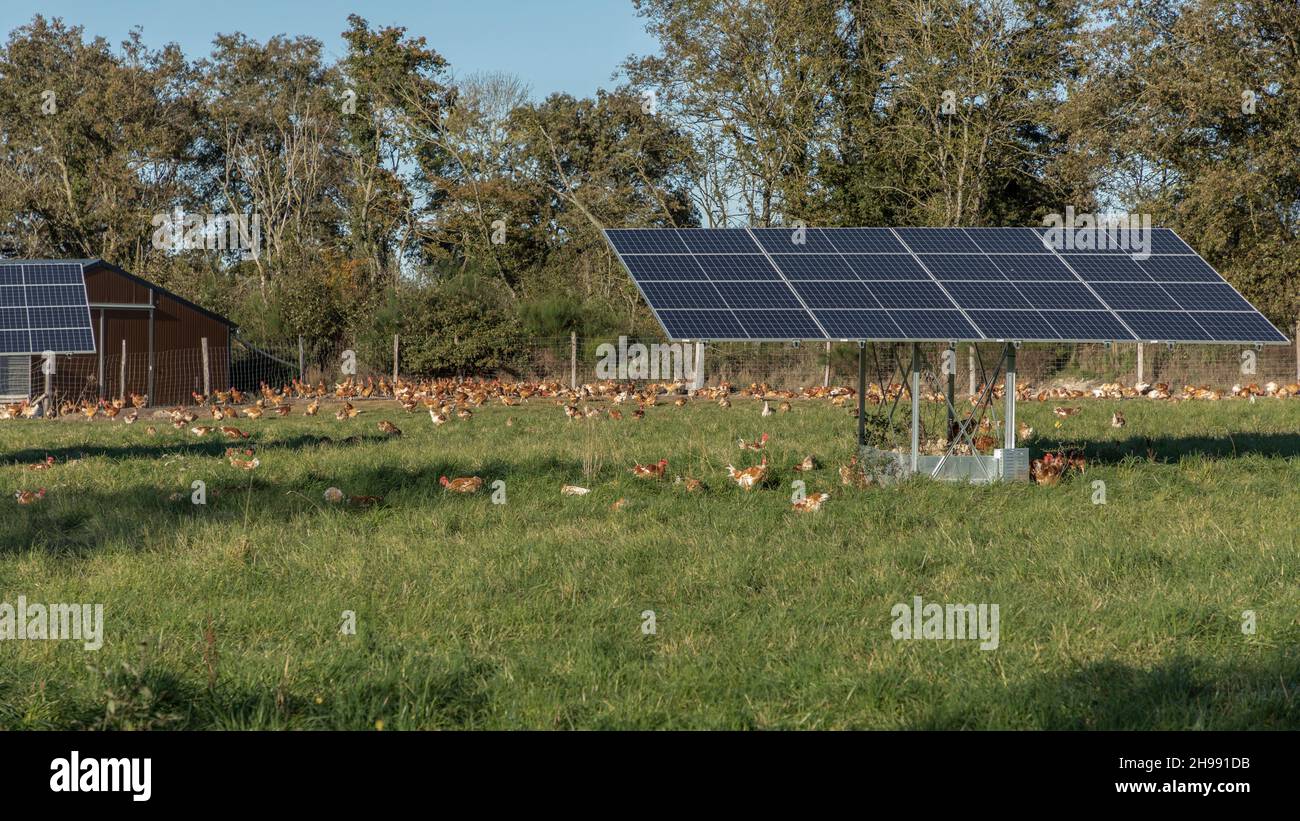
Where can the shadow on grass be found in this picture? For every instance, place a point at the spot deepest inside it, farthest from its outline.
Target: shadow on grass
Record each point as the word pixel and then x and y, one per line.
pixel 77 525
pixel 1181 693
pixel 213 444
pixel 393 685
pixel 1175 448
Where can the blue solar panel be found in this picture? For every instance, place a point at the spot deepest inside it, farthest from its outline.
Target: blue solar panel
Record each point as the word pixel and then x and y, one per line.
pixel 65 317
pixel 934 325
pixel 910 295
pixel 794 241
pixel 1134 296
pixel 1239 327
pixel 697 324
pixel 1021 325
pixel 985 295
pixel 861 324
pixel 1206 297
pixel 52 274
pixel 1008 241
pixel 730 267
pixel 718 241
pixel 62 340
pixel 1178 269
pixel 885 266
pixel 15 342
pixel 962 266
pixel 1085 326
pixel 644 266
pixel 1168 326
pixel 43 307
pixel 682 295
pixel 836 295
pixel 779 325
pixel 1105 268
pixel 1060 295
pixel 632 241
pixel 813 266
pixel 937 240
pixel 1039 267
pixel 906 283
pixel 865 241
pixel 13 319
pixel 1101 241
pixel 757 295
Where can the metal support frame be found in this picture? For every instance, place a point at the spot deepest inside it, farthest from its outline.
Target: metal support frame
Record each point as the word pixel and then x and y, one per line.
pixel 1009 438
pixel 149 390
pixel 916 405
pixel 862 395
pixel 951 355
pixel 964 425
pixel 100 355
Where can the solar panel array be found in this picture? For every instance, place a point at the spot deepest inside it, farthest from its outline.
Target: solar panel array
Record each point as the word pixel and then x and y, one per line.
pixel 43 307
pixel 934 284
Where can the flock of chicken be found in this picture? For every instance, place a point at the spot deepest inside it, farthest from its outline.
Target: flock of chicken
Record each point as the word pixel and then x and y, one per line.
pixel 444 399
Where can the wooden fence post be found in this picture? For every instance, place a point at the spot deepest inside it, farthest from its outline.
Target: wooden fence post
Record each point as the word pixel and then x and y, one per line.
pixel 573 360
pixel 394 357
pixel 207 374
pixel 100 355
pixel 826 375
pixel 1141 369
pixel 121 375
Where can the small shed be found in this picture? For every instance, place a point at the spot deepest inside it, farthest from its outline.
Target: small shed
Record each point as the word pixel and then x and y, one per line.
pixel 148 341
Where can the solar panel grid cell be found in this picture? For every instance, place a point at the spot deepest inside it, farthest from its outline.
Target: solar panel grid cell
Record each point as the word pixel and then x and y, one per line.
pixel 1013 325
pixel 836 295
pixel 885 267
pixel 717 241
pixel 860 324
pixel 961 266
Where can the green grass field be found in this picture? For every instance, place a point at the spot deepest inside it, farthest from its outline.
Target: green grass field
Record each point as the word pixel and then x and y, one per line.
pixel 528 614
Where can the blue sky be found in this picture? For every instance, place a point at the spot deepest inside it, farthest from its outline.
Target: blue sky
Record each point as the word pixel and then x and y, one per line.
pixel 553 45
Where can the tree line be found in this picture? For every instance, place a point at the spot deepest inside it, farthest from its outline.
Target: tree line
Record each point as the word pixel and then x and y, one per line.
pixel 393 195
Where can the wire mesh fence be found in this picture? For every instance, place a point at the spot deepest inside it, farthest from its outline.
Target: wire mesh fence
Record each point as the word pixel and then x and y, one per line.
pixel 185 376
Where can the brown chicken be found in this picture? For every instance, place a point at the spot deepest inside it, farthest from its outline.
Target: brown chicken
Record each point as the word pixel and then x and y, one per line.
pixel 27 497
pixel 653 471
pixel 1047 470
pixel 757 444
pixel 312 407
pixel 749 478
pixel 464 484
pixel 808 463
pixel 233 433
pixel 811 503
pixel 244 464
pixel 389 428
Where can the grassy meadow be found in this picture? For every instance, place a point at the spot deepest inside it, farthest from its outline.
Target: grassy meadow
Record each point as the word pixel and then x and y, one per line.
pixel 528 614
